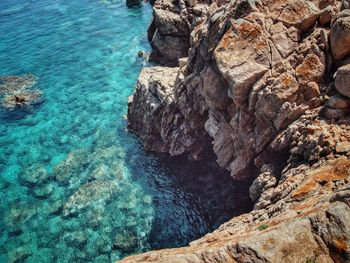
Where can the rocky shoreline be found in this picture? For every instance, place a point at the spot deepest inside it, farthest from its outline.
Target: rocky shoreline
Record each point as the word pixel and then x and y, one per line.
pixel 265 85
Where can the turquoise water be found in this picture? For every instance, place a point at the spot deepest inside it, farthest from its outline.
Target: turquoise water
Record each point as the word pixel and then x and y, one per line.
pixel 75 186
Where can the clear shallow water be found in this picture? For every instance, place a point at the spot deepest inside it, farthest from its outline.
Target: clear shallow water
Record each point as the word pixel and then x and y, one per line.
pixel 75 186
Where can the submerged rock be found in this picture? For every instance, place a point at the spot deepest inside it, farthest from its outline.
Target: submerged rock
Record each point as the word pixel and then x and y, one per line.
pixel 43 191
pixel 76 239
pixel 127 242
pixel 88 194
pixel 21 99
pixel 131 3
pixel 16 91
pixel 19 254
pixel 34 175
pixel 67 170
pixel 10 84
pixel 17 215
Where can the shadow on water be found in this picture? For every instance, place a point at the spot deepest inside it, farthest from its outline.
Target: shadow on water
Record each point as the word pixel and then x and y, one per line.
pixel 191 198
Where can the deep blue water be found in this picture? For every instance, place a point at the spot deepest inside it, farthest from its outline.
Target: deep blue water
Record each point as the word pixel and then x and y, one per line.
pixel 95 195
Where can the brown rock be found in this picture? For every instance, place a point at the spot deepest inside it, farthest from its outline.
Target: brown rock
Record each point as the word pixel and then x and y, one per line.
pixel 311 70
pixel 154 89
pixel 343 147
pixel 342 80
pixel 340 36
pixel 300 14
pixel 338 102
pixel 311 91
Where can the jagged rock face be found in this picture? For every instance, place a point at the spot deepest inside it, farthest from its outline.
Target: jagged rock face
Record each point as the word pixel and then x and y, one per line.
pixel 253 69
pixel 154 90
pixel 169 32
pixel 258 87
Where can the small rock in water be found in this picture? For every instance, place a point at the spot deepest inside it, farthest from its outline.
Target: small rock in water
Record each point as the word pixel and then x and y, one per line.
pixel 21 99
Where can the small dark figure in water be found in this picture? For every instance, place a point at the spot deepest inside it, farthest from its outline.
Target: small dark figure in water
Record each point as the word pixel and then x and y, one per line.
pixel 19 100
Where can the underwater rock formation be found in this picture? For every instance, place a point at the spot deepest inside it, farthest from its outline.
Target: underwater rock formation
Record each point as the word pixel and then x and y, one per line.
pixel 16 92
pixel 265 85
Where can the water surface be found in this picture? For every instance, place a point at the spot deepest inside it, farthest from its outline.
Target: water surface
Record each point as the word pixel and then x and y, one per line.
pixel 75 186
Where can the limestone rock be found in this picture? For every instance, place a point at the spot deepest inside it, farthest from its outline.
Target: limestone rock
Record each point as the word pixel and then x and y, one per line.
pixel 168 49
pixel 248 75
pixel 300 14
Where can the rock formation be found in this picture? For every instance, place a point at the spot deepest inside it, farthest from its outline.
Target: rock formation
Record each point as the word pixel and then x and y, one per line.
pixel 16 92
pixel 265 85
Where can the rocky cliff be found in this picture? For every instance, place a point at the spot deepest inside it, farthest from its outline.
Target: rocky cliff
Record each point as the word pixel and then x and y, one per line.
pixel 265 85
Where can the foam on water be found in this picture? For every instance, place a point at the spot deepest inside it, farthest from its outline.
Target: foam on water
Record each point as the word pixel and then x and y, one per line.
pixel 75 186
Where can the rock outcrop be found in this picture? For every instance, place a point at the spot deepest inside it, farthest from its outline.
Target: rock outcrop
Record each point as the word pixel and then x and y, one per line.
pixel 169 32
pixel 251 71
pixel 17 92
pixel 265 86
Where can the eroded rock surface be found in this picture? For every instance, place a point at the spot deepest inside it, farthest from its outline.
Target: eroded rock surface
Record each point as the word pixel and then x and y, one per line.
pixel 265 86
pixel 252 70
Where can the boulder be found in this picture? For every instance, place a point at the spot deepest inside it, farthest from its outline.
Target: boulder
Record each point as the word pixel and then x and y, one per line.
pixel 342 80
pixel 340 36
pixel 338 102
